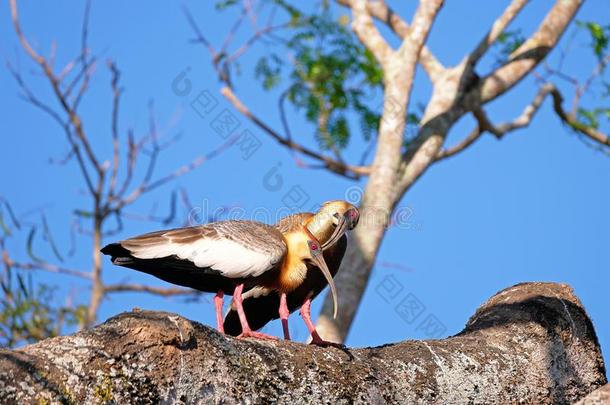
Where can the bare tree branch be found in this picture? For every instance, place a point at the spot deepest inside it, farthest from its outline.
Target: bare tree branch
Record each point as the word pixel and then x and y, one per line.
pixel 74 119
pixel 444 109
pixel 530 53
pixel 147 185
pixel 522 120
pixel 472 137
pixel 420 27
pixel 380 192
pixel 116 98
pixel 234 29
pixel 253 39
pixel 581 89
pixel 338 167
pixel 368 34
pixel 497 28
pixel 569 119
pixel 69 87
pixel 200 37
pixel 332 165
pixel 164 292
pixel 44 266
pixel 382 12
pixel 485 125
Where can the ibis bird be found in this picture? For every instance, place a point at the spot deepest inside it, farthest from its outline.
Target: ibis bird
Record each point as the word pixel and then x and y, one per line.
pixel 227 257
pixel 260 303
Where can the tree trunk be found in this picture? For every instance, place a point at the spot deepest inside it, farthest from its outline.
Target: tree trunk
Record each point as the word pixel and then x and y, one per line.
pixel 97 285
pixel 378 202
pixel 380 197
pixel 456 91
pixel 531 343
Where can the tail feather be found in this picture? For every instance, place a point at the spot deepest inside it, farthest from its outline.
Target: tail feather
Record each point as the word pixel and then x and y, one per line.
pixel 116 250
pixel 172 269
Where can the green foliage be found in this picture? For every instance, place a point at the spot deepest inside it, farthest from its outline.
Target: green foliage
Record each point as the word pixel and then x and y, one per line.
pixel 591 118
pixel 330 74
pixel 599 37
pixel 268 70
pixel 221 5
pixel 507 43
pixel 27 311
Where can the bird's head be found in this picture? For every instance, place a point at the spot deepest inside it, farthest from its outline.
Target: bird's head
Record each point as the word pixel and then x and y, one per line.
pixel 332 220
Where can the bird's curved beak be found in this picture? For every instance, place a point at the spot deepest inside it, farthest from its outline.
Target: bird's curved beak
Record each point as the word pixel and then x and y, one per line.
pixel 340 228
pixel 318 260
pixel 347 221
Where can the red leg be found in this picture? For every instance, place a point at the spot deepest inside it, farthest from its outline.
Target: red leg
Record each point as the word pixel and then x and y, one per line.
pixel 245 328
pixel 284 313
pixel 315 337
pixel 218 300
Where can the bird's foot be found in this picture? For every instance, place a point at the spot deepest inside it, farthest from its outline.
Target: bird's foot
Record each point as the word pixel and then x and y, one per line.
pixel 326 343
pixel 257 335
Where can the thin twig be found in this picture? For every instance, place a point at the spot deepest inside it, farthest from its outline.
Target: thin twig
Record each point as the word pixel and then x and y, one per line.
pixel 462 145
pixel 164 292
pixel 345 170
pixel 116 98
pixel 44 266
pixel 147 186
pixel 497 29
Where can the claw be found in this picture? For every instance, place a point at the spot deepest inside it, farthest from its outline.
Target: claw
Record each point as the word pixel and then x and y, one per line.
pixel 318 341
pixel 257 335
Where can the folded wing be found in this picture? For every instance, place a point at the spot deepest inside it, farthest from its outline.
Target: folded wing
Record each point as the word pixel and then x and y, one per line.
pixel 210 257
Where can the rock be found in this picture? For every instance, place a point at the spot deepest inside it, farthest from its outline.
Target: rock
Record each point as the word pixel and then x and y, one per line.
pixel 531 343
pixel 600 396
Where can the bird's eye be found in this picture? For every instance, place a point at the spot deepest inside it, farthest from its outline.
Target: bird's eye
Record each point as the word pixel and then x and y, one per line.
pixel 313 246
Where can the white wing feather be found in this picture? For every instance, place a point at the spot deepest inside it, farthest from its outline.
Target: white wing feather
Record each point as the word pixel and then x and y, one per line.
pixel 230 258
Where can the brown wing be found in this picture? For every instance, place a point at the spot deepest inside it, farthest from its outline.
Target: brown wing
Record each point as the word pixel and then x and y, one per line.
pixel 208 257
pixel 292 222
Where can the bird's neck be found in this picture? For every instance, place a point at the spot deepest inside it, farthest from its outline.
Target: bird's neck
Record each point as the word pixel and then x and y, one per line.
pixel 322 225
pixel 294 269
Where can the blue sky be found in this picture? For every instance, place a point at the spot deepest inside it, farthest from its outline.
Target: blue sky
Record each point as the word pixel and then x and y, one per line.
pixel 531 207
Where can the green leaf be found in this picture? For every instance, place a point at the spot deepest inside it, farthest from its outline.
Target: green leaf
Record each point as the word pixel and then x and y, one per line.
pixel 599 37
pixel 413 119
pixel 589 118
pixel 83 213
pixel 268 69
pixel 339 132
pixel 329 74
pixel 507 43
pixel 221 5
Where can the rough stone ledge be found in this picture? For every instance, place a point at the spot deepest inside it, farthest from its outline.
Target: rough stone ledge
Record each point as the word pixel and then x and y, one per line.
pixel 530 343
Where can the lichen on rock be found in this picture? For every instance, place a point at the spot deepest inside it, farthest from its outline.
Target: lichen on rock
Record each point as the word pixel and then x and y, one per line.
pixel 531 343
